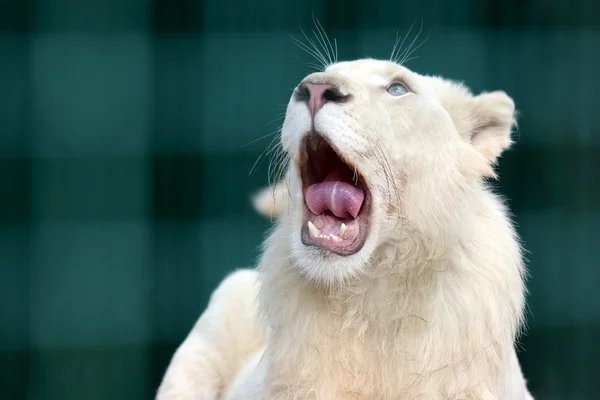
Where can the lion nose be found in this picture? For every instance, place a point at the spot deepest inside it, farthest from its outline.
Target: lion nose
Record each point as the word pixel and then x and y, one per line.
pixel 317 94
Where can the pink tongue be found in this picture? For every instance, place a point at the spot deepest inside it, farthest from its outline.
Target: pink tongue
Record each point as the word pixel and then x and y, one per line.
pixel 341 198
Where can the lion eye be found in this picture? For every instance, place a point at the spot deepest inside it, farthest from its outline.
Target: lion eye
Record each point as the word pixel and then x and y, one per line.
pixel 397 89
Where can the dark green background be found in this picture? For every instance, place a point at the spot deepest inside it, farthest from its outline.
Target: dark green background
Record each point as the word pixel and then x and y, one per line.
pixel 124 192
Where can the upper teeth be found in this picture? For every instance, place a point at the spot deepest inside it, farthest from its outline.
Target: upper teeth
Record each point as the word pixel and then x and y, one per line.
pixel 342 230
pixel 330 236
pixel 314 231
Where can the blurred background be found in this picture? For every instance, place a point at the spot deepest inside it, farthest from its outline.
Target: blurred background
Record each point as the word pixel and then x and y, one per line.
pixel 127 134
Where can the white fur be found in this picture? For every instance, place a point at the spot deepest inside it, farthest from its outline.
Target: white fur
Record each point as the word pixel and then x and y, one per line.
pixel 224 339
pixel 429 308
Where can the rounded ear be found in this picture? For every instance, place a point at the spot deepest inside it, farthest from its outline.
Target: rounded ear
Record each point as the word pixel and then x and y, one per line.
pixel 271 201
pixel 494 118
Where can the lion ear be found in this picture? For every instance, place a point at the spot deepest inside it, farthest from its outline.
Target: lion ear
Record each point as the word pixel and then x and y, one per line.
pixel 494 119
pixel 271 201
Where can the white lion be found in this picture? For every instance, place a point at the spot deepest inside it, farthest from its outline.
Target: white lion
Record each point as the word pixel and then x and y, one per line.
pixel 392 272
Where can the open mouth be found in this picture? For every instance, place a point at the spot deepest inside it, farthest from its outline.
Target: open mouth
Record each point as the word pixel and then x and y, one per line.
pixel 336 197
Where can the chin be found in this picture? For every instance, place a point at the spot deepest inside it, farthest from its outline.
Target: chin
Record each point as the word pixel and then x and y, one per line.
pixel 333 237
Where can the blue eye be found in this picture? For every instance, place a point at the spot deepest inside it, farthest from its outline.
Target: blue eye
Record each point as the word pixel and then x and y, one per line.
pixel 397 89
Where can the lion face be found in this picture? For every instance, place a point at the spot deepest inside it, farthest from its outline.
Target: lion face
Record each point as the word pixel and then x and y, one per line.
pixel 378 152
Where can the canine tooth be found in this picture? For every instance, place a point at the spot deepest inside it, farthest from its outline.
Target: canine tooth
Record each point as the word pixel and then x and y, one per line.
pixel 342 230
pixel 313 229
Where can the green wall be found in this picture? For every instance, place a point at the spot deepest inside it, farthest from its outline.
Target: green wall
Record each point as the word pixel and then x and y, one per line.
pixel 124 199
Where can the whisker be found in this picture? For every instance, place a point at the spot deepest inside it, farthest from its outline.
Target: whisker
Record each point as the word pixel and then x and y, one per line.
pixel 263 137
pixel 320 39
pixel 324 56
pixel 336 49
pixel 407 52
pixel 279 117
pixel 323 35
pixel 415 38
pixel 314 66
pixel 316 49
pixel 383 156
pixel 322 45
pixel 309 51
pixel 266 151
pixel 274 148
pixel 395 45
pixel 319 47
pixel 402 44
pixel 277 166
pixel 407 60
pixel 406 57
